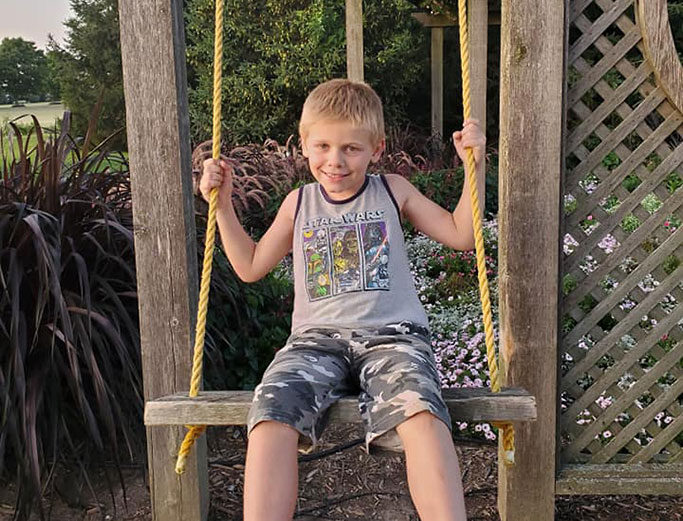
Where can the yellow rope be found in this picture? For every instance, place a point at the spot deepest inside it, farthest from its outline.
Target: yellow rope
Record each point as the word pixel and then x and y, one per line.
pixel 195 431
pixel 508 433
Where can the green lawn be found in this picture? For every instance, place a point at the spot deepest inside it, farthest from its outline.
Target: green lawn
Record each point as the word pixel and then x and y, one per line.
pixel 46 113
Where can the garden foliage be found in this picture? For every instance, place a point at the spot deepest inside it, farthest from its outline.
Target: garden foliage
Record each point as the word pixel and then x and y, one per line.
pixel 23 71
pixel 275 52
pixel 70 380
pixel 246 322
pixel 447 284
pixel 88 67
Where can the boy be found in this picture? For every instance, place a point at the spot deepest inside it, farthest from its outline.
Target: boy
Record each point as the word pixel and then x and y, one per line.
pixel 357 321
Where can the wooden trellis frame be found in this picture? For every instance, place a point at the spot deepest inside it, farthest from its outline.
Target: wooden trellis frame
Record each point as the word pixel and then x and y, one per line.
pixel 625 119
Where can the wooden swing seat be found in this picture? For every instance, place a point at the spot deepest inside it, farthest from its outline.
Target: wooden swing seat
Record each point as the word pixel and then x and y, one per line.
pixel 231 407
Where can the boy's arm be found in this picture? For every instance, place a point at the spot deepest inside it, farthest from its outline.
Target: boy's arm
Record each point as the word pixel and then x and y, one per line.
pixel 252 261
pixel 455 229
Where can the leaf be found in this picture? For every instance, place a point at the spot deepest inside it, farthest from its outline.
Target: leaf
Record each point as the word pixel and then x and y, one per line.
pixel 68 310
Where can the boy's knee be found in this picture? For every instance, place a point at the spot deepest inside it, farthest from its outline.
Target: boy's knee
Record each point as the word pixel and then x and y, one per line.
pixel 420 424
pixel 274 430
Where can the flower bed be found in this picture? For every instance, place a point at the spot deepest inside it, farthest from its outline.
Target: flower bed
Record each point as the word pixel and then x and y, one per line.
pixel 447 284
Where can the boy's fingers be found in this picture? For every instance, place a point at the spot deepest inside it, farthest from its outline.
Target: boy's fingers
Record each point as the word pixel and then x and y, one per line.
pixel 473 136
pixel 473 129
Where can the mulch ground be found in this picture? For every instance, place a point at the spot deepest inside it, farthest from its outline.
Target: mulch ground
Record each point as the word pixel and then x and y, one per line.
pixel 344 485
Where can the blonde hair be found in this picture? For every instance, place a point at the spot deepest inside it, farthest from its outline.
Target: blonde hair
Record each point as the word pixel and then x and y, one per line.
pixel 344 100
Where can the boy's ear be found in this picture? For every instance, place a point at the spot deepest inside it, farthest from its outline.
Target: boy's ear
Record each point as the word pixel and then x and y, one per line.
pixel 379 149
pixel 304 147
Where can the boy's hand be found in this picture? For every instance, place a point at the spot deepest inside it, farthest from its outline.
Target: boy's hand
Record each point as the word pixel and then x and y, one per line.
pixel 472 136
pixel 216 174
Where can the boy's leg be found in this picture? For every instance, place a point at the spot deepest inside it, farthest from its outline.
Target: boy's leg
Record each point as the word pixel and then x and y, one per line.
pixel 401 394
pixel 432 467
pixel 304 379
pixel 271 474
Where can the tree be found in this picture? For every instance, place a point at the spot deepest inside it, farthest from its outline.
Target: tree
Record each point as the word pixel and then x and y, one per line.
pixel 276 51
pixel 52 87
pixel 89 67
pixel 23 70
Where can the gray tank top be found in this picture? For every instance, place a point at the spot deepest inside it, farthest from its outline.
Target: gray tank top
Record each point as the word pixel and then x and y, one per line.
pixel 350 264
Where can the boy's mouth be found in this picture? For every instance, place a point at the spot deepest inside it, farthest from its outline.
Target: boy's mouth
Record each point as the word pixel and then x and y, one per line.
pixel 334 175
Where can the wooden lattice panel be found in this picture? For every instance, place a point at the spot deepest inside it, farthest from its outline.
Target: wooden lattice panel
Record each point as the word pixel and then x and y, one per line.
pixel 622 351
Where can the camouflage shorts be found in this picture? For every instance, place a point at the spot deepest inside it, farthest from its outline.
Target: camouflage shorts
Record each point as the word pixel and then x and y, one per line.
pixel 392 369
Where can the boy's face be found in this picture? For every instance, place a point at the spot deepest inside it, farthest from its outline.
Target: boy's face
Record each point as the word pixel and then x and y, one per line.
pixel 339 154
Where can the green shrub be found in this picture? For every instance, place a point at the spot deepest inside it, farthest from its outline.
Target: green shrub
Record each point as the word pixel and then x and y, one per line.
pixel 631 182
pixel 569 284
pixel 275 52
pixel 246 322
pixel 611 161
pixel 630 223
pixel 444 187
pixel 88 68
pixel 670 264
pixel 673 182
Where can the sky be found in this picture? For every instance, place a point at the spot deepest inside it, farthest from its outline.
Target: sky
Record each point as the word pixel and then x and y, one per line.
pixel 34 19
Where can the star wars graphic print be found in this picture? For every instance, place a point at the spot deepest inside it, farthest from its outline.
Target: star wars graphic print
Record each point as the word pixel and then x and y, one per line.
pixel 346 253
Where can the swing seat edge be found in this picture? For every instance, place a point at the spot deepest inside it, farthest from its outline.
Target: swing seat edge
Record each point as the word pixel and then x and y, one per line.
pixel 231 407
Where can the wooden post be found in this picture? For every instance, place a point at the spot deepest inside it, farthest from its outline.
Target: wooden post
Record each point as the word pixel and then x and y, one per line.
pixel 437 80
pixel 477 26
pixel 531 89
pixel 354 40
pixel 478 20
pixel 154 77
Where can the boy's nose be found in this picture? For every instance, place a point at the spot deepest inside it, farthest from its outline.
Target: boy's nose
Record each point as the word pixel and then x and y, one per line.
pixel 334 158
